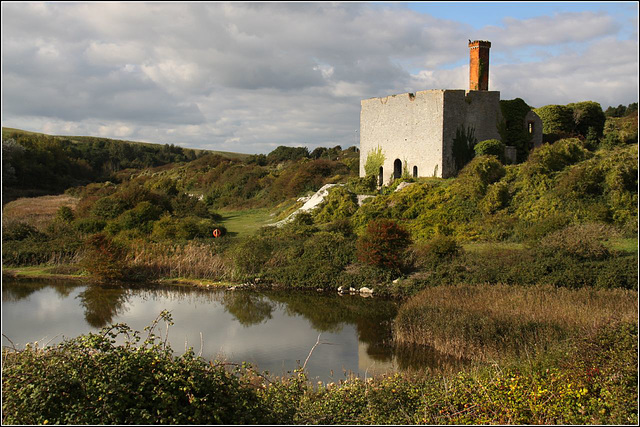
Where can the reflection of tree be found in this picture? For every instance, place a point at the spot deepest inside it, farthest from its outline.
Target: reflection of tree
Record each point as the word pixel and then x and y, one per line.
pixel 15 290
pixel 102 304
pixel 328 313
pixel 248 308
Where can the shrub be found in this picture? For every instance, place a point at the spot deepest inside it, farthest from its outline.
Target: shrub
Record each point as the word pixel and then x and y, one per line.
pixel 588 115
pixel 490 147
pixel 557 121
pixel 98 379
pixel 318 264
pixel 363 185
pixel 104 259
pixel 497 198
pixel 340 203
pixel 21 231
pixel 284 153
pixel 383 244
pixel 64 214
pixel 375 159
pixel 108 207
pixel 439 249
pixel 584 241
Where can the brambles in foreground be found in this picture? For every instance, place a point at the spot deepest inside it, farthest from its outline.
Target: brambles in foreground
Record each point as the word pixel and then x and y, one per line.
pixel 93 380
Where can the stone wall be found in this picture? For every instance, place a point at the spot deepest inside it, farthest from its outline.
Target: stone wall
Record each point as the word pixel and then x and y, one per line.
pixel 419 129
pixel 408 127
pixel 536 135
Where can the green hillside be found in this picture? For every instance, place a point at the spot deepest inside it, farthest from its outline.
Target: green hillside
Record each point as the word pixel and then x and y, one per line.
pixel 12 132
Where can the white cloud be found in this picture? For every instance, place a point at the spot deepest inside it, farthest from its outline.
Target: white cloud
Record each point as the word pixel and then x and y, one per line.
pixel 250 76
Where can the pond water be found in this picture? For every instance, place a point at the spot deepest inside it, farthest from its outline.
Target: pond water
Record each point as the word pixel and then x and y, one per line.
pixel 274 330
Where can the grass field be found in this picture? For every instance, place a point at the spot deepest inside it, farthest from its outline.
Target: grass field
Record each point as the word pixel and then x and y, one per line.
pixel 246 222
pixel 36 211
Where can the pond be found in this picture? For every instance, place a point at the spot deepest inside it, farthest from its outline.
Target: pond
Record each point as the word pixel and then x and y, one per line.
pixel 273 330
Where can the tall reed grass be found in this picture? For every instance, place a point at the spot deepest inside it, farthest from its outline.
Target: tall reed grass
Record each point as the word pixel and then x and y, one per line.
pixel 191 260
pixel 493 321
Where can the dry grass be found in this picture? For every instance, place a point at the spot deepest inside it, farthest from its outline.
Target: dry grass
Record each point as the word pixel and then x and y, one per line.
pixel 36 211
pixel 491 321
pixel 193 260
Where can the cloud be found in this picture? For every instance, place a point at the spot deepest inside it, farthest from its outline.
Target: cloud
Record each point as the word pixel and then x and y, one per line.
pixel 560 28
pixel 250 76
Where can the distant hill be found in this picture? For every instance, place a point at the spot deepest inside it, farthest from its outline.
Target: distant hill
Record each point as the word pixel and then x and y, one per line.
pixel 8 132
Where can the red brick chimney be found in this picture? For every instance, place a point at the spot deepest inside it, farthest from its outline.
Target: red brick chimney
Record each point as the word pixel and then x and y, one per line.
pixel 479 64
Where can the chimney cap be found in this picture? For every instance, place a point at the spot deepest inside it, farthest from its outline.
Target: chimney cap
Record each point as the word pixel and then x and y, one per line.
pixel 480 43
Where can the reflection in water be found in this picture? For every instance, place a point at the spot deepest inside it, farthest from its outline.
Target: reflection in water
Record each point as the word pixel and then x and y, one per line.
pixel 271 329
pixel 249 308
pixel 101 304
pixel 371 316
pixel 20 289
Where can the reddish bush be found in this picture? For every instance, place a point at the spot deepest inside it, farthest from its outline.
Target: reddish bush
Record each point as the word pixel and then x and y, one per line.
pixel 384 244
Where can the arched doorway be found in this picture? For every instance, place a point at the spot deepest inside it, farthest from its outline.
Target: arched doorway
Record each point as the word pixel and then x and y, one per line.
pixel 380 177
pixel 415 171
pixel 397 169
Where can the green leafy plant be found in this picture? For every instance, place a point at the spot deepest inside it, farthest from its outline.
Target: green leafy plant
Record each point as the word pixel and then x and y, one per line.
pixel 375 159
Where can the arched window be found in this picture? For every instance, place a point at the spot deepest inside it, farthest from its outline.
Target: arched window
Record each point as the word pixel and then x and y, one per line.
pixel 415 171
pixel 397 169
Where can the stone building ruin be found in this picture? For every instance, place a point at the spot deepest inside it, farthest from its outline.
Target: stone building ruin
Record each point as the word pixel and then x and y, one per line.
pixel 415 132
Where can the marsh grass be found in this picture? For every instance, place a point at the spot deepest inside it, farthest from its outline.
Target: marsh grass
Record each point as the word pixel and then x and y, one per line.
pixel 192 260
pixel 497 321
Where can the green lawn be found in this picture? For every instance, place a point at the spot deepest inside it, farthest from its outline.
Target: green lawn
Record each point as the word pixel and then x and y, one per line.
pixel 246 222
pixel 478 247
pixel 629 245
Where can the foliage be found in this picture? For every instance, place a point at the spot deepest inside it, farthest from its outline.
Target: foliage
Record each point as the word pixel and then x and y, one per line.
pixel 439 249
pixel 284 153
pixel 490 147
pixel 105 259
pixel 583 241
pixel 93 379
pixel 383 245
pixel 375 160
pixel 340 203
pixel 363 185
pixel 621 110
pixel 463 145
pixel 513 131
pixel 587 115
pixel 557 121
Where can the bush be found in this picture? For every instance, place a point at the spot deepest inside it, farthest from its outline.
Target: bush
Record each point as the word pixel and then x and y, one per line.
pixel 105 259
pixel 490 147
pixel 319 264
pixel 340 203
pixel 439 249
pixel 383 245
pixel 21 231
pixel 584 241
pixel 97 379
pixel 557 121
pixel 588 115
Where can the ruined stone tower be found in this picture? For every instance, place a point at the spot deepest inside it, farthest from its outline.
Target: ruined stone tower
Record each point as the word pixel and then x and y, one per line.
pixel 479 64
pixel 413 133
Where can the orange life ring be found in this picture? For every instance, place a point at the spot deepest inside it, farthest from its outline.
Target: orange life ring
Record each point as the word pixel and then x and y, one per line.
pixel 216 232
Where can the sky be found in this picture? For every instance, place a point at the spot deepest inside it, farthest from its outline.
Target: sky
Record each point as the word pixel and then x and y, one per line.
pixel 248 77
